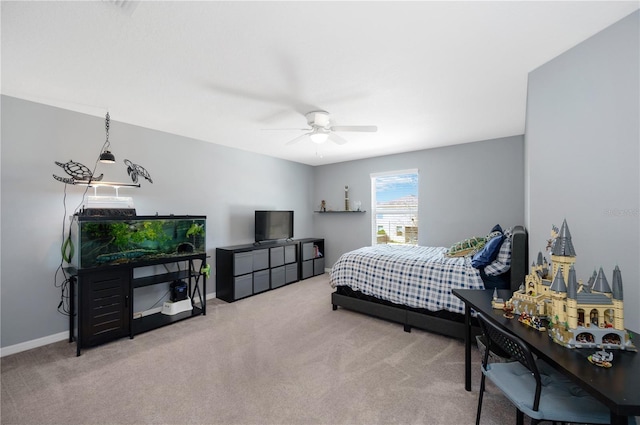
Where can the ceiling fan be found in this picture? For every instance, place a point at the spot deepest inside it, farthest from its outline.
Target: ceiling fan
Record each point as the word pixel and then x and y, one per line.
pixel 320 129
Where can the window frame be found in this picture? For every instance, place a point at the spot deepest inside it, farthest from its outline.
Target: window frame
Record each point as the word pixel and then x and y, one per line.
pixel 374 202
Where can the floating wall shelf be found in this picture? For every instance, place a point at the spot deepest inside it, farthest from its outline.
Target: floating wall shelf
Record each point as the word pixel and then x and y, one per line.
pixel 340 212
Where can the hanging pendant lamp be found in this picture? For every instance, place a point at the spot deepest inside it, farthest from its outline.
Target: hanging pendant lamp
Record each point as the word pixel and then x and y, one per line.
pixel 106 156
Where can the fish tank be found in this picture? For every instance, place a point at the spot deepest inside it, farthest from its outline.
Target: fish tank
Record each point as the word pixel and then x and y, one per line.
pixel 108 241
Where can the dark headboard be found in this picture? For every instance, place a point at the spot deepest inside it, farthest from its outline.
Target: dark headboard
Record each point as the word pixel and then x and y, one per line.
pixel 519 257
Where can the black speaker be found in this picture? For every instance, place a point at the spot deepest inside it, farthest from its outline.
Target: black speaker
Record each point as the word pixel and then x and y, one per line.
pixel 178 290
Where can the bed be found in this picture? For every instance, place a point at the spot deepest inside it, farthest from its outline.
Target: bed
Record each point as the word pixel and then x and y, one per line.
pixel 412 285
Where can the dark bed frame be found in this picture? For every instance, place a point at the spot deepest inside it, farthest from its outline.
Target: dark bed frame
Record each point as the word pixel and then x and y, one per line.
pixel 442 322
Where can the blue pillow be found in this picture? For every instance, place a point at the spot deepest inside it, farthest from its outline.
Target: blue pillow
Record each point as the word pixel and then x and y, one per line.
pixel 488 253
pixel 497 230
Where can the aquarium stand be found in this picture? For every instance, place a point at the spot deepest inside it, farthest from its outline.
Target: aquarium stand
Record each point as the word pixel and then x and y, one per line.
pixel 104 299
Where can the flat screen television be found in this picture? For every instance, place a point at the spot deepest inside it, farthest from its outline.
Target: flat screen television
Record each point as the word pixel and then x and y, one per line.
pixel 273 225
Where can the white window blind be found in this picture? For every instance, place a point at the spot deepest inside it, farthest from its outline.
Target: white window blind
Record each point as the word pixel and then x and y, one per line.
pixel 394 203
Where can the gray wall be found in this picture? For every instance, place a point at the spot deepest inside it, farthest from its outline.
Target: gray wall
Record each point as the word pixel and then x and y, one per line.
pixel 582 155
pixel 227 185
pixel 464 190
pixel 189 177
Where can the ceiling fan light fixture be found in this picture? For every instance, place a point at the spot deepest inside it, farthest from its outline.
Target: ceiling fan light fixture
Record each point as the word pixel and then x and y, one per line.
pixel 321 129
pixel 319 137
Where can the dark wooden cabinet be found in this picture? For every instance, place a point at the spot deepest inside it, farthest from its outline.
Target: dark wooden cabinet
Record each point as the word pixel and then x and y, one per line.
pixel 245 270
pixel 104 306
pixel 104 299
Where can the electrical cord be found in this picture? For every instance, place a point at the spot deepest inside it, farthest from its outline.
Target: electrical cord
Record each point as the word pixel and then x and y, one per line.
pixel 67 248
pixel 157 302
pixel 63 305
pixel 163 295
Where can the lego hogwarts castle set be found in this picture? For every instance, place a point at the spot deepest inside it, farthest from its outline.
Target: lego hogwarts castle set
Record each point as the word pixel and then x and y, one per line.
pixel 580 315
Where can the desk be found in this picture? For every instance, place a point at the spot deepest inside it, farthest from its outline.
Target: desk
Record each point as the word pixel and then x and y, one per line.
pixel 618 387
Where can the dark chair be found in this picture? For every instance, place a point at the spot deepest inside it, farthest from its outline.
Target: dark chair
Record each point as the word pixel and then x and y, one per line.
pixel 534 387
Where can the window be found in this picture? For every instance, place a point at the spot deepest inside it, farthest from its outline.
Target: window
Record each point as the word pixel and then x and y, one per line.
pixel 394 202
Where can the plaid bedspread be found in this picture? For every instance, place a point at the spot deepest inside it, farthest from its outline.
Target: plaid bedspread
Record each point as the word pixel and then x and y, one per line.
pixel 416 276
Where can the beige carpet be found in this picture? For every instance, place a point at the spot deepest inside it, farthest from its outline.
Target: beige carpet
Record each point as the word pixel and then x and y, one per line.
pixel 282 357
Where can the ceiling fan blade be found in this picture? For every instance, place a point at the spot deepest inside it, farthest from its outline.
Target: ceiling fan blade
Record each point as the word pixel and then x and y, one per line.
pixel 336 139
pixel 297 139
pixel 364 128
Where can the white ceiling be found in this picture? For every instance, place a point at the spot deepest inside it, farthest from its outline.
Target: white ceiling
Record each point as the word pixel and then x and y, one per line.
pixel 428 74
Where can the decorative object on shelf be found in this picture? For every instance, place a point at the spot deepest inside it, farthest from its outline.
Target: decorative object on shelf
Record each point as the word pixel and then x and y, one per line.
pixel 601 358
pixel 579 315
pixel 323 206
pixel 78 172
pixel 135 170
pixel 357 205
pixel 106 156
pixel 346 198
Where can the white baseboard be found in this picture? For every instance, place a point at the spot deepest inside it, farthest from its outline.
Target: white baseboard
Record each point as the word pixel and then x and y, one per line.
pixel 34 343
pixel 62 336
